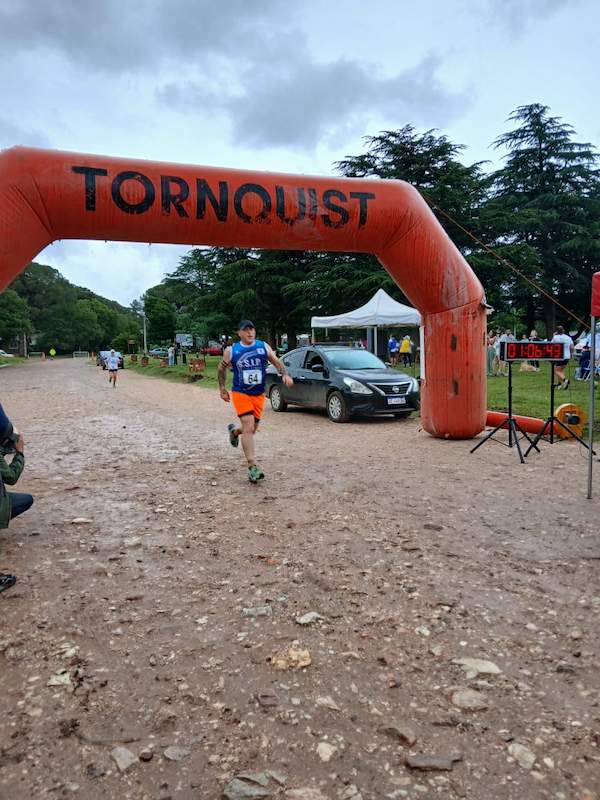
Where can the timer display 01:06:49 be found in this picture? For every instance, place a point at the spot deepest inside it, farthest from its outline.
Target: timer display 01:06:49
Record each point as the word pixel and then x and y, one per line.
pixel 535 351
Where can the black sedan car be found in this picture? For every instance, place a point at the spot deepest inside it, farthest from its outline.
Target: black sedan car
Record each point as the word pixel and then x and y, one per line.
pixel 345 381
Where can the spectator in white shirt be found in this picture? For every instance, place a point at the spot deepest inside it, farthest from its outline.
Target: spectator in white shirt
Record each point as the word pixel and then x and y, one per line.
pixel 506 337
pixel 559 366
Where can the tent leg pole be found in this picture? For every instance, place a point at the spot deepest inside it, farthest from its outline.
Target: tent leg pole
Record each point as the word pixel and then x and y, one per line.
pixel 592 378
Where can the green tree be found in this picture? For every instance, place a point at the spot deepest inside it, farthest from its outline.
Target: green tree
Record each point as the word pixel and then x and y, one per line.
pixel 84 331
pixel 544 214
pixel 258 285
pixel 66 316
pixel 129 330
pixel 15 319
pixel 110 321
pixel 337 282
pixel 430 162
pixel 161 316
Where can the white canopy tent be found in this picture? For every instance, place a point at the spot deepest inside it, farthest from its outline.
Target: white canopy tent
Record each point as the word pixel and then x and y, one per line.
pixel 381 311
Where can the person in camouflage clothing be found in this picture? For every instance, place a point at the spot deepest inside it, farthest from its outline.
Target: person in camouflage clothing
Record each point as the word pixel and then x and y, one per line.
pixel 11 503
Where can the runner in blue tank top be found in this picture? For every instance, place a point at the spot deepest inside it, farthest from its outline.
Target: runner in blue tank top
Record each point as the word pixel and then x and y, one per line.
pixel 248 359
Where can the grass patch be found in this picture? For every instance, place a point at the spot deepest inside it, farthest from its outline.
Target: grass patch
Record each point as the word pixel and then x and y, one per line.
pixel 179 374
pixel 531 393
pixel 531 390
pixel 11 362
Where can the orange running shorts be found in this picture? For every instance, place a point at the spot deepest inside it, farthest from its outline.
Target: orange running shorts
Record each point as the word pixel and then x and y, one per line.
pixel 248 404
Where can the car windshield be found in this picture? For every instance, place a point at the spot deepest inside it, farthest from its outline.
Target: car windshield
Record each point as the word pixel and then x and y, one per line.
pixel 354 359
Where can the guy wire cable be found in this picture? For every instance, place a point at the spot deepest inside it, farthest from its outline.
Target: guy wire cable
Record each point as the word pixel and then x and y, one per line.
pixel 503 260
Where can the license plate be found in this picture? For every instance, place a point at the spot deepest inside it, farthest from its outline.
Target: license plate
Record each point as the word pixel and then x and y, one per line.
pixel 396 401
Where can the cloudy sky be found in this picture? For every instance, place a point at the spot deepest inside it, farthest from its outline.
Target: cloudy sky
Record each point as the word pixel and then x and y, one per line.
pixel 268 84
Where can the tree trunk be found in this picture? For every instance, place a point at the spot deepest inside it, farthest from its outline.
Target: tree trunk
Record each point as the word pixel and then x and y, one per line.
pixel 529 315
pixel 549 309
pixel 292 339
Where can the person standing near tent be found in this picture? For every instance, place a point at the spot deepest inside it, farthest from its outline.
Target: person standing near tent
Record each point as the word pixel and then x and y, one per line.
pixel 393 349
pixel 559 366
pixel 247 359
pixel 491 354
pixel 507 336
pixel 533 337
pixel 406 351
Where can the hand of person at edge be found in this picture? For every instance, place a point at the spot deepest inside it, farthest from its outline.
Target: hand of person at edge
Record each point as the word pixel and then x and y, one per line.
pixel 288 380
pixel 225 395
pixel 20 444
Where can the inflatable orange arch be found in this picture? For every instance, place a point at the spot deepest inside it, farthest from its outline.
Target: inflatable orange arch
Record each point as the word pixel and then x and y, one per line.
pixel 47 195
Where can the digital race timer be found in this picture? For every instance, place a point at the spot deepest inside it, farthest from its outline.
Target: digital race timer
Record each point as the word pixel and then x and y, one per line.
pixel 533 351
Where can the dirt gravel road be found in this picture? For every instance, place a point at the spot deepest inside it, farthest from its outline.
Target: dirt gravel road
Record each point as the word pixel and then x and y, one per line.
pixel 147 649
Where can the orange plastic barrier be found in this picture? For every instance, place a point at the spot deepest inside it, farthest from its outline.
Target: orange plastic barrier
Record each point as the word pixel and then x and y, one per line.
pixel 535 425
pixel 47 195
pixel 529 424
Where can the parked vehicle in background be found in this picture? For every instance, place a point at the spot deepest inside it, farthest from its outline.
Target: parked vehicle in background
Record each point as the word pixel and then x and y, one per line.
pixel 345 381
pixel 104 354
pixel 158 352
pixel 4 354
pixel 212 349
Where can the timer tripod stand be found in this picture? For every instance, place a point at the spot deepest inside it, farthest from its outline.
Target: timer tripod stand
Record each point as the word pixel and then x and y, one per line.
pixel 553 420
pixel 510 424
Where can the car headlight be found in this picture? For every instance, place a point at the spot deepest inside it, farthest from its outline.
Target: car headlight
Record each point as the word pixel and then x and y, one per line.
pixel 415 385
pixel 356 387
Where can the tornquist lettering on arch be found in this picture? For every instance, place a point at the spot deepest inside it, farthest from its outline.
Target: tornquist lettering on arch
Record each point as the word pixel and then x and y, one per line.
pixel 223 201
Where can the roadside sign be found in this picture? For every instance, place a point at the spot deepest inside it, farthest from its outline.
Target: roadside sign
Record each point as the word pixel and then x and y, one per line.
pixel 184 339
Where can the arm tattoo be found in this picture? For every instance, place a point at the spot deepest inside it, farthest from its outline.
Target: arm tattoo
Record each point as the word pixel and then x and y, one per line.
pixel 221 373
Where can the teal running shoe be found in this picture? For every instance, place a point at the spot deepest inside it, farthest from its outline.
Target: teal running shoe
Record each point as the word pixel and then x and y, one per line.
pixel 255 474
pixel 234 439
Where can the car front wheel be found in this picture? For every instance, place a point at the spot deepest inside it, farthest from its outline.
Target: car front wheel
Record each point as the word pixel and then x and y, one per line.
pixel 337 411
pixel 277 401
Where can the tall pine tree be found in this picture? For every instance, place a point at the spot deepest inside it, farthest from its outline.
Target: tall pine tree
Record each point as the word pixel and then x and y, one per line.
pixel 544 214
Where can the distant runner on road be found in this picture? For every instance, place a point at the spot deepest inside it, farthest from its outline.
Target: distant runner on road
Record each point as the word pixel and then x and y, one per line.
pixel 247 359
pixel 112 364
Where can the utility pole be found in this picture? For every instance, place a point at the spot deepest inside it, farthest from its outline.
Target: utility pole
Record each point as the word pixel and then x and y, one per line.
pixel 145 342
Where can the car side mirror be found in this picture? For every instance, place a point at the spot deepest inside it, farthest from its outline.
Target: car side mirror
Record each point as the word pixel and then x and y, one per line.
pixel 317 368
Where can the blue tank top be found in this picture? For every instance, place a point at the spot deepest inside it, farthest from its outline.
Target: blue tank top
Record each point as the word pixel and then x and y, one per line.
pixel 248 364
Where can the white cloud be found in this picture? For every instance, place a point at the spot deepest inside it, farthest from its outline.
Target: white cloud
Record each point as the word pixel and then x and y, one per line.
pixel 121 271
pixel 276 86
pixel 296 102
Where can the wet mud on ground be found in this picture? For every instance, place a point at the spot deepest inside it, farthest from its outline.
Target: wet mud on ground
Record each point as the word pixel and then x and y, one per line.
pixel 151 647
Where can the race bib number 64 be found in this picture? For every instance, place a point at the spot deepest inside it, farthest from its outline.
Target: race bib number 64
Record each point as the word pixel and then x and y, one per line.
pixel 252 377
